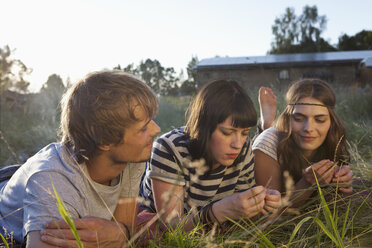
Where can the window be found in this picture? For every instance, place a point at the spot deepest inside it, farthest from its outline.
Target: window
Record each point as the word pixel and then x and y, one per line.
pixel 284 75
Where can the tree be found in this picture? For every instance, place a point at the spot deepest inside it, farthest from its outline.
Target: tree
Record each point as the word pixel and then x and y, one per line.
pixel 50 96
pixel 300 34
pixel 53 86
pixel 162 80
pixel 169 85
pixel 360 41
pixel 12 72
pixel 151 72
pixel 189 87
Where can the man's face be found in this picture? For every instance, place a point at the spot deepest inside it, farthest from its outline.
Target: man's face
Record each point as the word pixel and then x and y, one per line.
pixel 137 141
pixel 135 147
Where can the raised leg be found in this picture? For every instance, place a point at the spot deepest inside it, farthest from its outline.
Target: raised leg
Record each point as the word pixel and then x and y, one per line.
pixel 267 101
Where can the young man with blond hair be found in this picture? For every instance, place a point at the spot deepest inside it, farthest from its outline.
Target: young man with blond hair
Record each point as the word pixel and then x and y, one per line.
pixel 107 135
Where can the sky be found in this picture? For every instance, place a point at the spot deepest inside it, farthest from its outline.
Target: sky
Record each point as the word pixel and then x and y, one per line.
pixel 74 37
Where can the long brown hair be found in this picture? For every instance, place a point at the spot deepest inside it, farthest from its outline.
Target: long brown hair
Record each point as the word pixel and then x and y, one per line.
pixel 289 154
pixel 214 103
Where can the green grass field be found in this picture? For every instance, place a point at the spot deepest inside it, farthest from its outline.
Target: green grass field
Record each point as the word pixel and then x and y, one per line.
pixel 329 220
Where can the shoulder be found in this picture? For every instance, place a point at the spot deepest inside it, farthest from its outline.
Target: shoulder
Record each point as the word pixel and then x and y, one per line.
pixel 175 141
pixel 270 135
pixel 54 156
pixel 267 142
pixel 177 136
pixel 50 164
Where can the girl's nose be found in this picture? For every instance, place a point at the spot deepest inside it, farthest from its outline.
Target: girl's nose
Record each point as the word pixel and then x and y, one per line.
pixel 308 126
pixel 238 141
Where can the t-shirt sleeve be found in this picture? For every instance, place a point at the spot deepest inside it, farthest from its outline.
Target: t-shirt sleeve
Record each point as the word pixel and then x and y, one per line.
pixel 131 179
pixel 267 142
pixel 164 164
pixel 246 177
pixel 40 203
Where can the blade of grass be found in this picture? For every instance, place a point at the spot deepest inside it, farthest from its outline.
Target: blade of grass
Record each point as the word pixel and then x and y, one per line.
pixel 343 231
pixel 4 241
pixel 326 231
pixel 67 218
pixel 297 227
pixel 262 235
pixel 328 215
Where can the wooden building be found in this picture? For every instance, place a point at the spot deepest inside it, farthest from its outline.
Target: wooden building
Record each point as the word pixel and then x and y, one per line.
pixel 348 68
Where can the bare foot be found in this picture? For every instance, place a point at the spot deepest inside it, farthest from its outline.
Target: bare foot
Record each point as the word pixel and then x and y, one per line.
pixel 267 101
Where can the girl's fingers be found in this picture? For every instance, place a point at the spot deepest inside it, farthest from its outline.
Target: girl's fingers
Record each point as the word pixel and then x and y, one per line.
pixel 319 164
pixel 344 179
pixel 343 171
pixel 264 211
pixel 326 168
pixel 346 189
pixel 254 192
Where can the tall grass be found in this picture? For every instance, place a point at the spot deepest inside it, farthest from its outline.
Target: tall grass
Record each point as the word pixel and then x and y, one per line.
pixel 66 217
pixel 327 220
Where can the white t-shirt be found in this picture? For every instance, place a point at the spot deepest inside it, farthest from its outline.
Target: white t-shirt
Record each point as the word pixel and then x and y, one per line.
pixel 27 201
pixel 267 142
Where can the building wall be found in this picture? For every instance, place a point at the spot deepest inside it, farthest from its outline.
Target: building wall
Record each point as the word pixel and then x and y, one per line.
pixel 365 76
pixel 261 76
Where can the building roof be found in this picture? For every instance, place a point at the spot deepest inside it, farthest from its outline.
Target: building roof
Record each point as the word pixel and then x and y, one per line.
pixel 367 62
pixel 278 60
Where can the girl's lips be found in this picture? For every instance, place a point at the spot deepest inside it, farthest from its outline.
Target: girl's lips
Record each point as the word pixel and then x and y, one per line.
pixel 232 155
pixel 307 139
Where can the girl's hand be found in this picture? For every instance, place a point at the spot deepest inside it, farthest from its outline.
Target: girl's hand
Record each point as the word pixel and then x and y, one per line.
pixel 273 201
pixel 245 204
pixel 344 175
pixel 324 171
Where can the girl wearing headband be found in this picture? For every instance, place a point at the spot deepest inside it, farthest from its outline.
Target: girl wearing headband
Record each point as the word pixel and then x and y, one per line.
pixel 308 136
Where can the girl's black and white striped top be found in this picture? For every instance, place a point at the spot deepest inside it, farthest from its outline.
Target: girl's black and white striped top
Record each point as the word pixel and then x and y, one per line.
pixel 171 163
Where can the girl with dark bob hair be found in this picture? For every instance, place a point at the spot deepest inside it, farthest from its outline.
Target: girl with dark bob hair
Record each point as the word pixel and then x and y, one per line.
pixel 203 172
pixel 308 136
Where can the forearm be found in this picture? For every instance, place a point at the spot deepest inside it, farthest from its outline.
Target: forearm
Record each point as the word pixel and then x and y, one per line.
pixel 205 217
pixel 126 212
pixel 34 240
pixel 187 222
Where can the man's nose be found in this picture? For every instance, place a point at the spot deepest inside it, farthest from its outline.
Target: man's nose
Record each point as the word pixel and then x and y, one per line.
pixel 155 128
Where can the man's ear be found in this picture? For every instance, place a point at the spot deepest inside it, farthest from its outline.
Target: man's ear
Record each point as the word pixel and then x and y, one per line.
pixel 104 148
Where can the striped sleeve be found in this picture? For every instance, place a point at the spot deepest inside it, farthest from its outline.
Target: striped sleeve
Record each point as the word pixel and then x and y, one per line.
pixel 267 142
pixel 165 163
pixel 246 177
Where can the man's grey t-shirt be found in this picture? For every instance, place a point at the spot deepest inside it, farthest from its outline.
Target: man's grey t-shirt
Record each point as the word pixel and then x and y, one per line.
pixel 28 201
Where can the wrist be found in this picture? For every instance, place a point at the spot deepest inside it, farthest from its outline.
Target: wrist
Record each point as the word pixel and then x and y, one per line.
pixel 303 184
pixel 213 216
pixel 218 211
pixel 124 234
pixel 304 181
pixel 207 215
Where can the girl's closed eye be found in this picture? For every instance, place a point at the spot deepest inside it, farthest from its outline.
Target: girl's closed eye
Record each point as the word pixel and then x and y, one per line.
pixel 320 120
pixel 298 118
pixel 245 133
pixel 226 133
